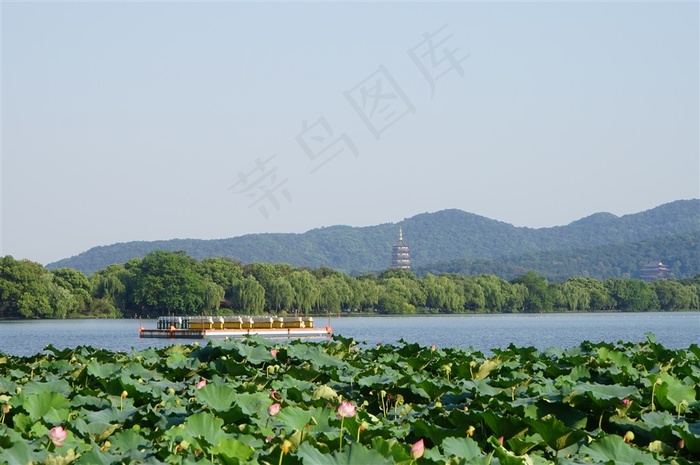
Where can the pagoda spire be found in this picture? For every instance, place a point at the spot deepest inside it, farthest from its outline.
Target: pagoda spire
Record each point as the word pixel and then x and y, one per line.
pixel 400 254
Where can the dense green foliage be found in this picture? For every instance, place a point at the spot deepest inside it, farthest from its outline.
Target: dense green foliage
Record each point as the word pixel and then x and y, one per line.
pixel 256 401
pixel 681 253
pixel 576 249
pixel 173 283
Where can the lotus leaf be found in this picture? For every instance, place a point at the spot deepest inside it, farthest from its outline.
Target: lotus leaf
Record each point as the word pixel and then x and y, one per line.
pixel 218 397
pixel 390 448
pixel 59 386
pixel 232 451
pixel 96 456
pixel 555 433
pixel 354 454
pixel 145 406
pixel 21 453
pixel 53 407
pixel 613 449
pixel 294 418
pixel 465 448
pixel 204 426
pixel 671 392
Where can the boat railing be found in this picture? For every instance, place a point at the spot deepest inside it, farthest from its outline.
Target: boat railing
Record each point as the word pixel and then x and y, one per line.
pixel 233 322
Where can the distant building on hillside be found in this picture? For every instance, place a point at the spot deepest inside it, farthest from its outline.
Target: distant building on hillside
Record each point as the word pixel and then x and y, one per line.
pixel 653 271
pixel 400 254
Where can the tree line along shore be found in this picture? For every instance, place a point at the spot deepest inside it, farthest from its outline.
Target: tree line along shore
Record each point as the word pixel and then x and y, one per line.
pixel 173 283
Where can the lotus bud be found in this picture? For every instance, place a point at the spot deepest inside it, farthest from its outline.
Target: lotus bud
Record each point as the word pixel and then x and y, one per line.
pixel 418 449
pixel 58 435
pixel 346 409
pixel 273 409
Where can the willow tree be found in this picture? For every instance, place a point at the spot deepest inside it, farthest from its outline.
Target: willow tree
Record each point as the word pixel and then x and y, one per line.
pixel 281 294
pixel 77 284
pixel 251 295
pixel 474 299
pixel 334 292
pixel 306 289
pixel 369 293
pixel 113 291
pixel 212 296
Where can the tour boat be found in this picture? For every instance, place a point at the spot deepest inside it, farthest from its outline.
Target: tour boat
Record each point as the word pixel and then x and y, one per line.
pixel 199 327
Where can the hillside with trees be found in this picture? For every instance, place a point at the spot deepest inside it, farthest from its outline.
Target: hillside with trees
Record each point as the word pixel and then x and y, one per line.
pixel 446 236
pixel 173 283
pixel 681 254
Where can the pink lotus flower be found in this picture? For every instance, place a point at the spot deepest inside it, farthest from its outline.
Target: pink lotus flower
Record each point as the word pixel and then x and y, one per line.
pixel 273 352
pixel 58 435
pixel 201 384
pixel 626 401
pixel 276 395
pixel 273 409
pixel 346 409
pixel 500 440
pixel 418 449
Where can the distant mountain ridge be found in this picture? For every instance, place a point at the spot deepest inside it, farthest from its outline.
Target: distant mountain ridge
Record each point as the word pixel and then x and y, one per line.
pixel 681 253
pixel 443 236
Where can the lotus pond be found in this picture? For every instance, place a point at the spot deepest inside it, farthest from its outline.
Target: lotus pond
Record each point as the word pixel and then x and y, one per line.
pixel 332 402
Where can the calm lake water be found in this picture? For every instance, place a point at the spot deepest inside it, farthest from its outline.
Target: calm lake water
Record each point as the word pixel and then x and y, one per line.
pixel 482 332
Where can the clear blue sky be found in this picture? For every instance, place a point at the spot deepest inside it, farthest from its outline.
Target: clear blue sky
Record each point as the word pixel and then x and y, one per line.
pixel 126 121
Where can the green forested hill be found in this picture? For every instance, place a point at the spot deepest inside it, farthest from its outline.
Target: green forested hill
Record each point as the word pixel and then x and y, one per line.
pixel 680 253
pixel 444 236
